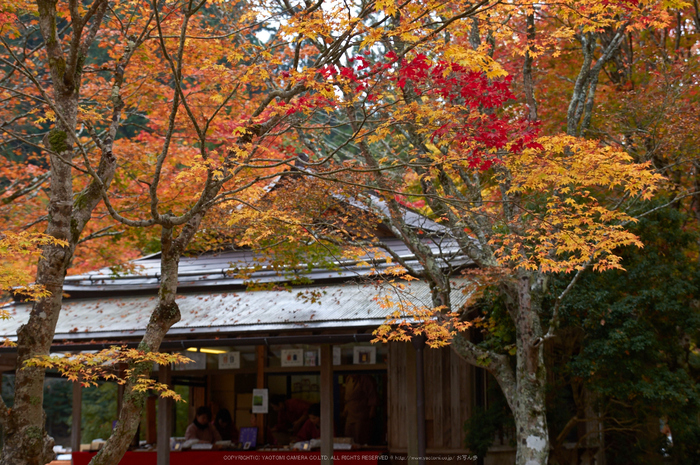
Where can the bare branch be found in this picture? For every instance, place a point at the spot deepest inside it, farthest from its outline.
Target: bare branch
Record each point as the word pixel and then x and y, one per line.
pixel 36 184
pixel 104 232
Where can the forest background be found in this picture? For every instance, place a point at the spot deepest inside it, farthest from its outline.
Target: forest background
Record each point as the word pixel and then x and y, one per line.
pixel 552 141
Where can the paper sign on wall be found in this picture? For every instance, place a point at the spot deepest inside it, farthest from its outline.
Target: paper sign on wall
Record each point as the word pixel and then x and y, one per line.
pixel 364 355
pixel 259 400
pixel 311 358
pixel 230 360
pixel 292 357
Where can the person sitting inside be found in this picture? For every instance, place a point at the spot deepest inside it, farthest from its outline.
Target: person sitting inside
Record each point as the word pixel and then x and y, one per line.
pixel 311 428
pixel 224 425
pixel 201 427
pixel 291 413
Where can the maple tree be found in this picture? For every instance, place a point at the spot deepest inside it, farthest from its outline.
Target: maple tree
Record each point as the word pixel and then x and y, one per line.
pixel 143 117
pixel 15 249
pixel 532 213
pixel 89 368
pixel 522 199
pixel 58 88
pixel 84 151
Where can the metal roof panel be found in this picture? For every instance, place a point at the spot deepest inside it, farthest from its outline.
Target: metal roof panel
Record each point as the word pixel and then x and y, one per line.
pixel 217 269
pixel 348 304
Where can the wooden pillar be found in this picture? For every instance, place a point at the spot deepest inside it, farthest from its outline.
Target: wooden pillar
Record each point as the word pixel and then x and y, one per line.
pixel 199 398
pixel 261 356
pixel 419 344
pixel 165 419
pixel 76 425
pixel 151 421
pixel 327 430
pixel 411 410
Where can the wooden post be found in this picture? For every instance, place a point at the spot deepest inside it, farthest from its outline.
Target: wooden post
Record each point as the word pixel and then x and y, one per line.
pixel 151 420
pixel 419 344
pixel 411 410
pixel 76 425
pixel 199 398
pixel 327 430
pixel 261 356
pixel 165 419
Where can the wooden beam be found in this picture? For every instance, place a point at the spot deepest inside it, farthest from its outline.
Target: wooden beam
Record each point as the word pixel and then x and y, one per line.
pixel 261 357
pixel 165 419
pixel 76 424
pixel 327 430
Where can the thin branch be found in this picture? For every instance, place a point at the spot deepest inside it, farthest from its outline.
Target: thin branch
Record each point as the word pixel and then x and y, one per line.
pixel 528 83
pixel 554 322
pixel 36 184
pixel 667 204
pixel 104 232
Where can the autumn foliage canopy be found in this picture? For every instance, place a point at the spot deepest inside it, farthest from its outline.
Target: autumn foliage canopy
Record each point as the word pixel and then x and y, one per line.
pixel 527 131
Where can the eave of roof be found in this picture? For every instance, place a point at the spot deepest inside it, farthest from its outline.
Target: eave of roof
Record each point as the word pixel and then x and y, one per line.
pixel 347 305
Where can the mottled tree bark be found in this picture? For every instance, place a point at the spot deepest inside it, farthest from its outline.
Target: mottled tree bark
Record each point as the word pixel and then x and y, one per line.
pixel 163 317
pixel 165 314
pixel 528 82
pixel 26 441
pixel 580 111
pixel 525 386
pixel 528 404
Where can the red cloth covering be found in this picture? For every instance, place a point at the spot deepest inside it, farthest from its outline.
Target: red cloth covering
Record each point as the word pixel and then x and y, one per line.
pixel 217 457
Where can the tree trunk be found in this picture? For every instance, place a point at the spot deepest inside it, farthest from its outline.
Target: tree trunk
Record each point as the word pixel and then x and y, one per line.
pixel 528 405
pixel 529 410
pixel 524 388
pixel 26 440
pixel 524 392
pixel 166 314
